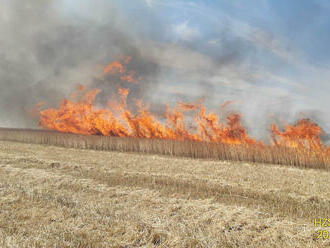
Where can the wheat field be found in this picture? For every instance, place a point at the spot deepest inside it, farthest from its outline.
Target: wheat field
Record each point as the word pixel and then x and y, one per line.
pixel 300 157
pixel 64 197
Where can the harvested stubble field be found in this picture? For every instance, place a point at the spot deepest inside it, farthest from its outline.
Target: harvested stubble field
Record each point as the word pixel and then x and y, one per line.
pixel 65 197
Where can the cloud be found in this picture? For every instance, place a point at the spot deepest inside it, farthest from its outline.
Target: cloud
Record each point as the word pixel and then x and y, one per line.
pixel 185 32
pixel 149 2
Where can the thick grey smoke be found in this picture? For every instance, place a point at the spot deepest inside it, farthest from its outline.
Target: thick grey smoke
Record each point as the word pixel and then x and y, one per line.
pixel 45 52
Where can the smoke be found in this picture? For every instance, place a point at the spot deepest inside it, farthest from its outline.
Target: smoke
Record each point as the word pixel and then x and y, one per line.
pixel 45 53
pixel 48 47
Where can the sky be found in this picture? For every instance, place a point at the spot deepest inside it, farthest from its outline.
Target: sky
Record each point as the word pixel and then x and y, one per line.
pixel 269 56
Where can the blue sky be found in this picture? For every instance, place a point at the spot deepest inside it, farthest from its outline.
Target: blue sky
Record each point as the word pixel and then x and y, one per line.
pixel 300 26
pixel 303 24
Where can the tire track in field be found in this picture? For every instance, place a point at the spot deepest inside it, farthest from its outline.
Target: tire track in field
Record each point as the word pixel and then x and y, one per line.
pixel 283 205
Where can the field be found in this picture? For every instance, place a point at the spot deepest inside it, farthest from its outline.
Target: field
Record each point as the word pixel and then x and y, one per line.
pixel 65 197
pixel 317 158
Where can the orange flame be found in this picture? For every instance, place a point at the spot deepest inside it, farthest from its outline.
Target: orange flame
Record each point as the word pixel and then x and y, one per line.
pixel 305 133
pixel 83 117
pixel 117 67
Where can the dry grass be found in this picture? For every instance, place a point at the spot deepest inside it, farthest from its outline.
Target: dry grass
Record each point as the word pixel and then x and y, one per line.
pixel 305 158
pixel 64 197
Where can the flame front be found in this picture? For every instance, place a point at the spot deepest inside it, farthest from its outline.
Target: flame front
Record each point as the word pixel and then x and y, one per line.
pixel 305 133
pixel 83 117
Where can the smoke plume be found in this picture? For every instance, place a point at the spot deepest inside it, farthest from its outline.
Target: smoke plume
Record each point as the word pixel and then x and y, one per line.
pixel 48 47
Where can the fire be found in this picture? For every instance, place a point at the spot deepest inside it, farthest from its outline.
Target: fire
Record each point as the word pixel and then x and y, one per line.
pixel 82 116
pixel 117 67
pixel 305 133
